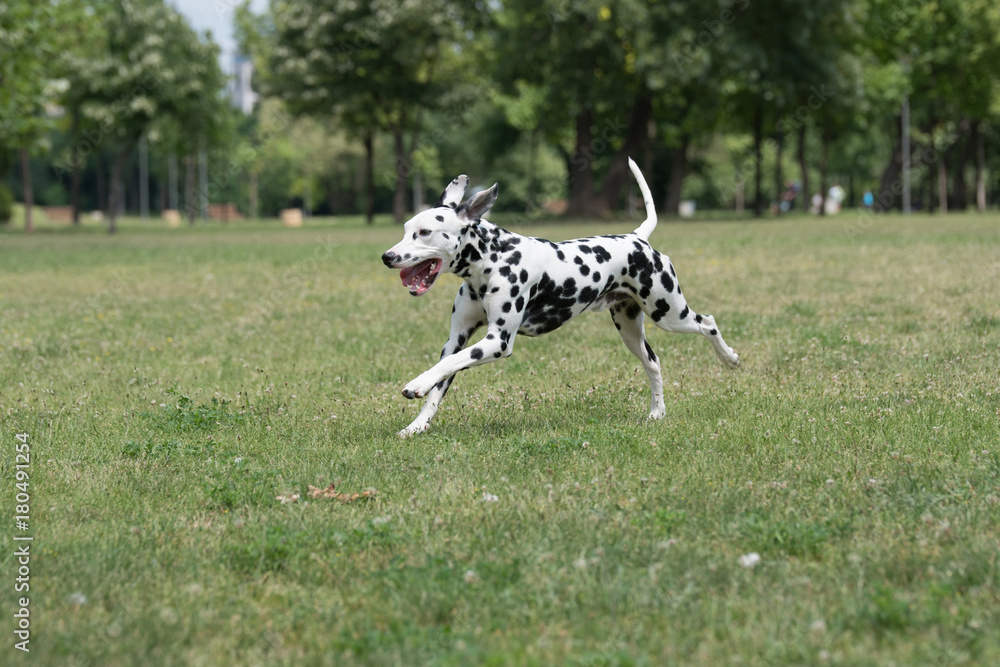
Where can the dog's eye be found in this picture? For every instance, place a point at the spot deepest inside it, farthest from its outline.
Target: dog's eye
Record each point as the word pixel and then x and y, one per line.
pixel 425 232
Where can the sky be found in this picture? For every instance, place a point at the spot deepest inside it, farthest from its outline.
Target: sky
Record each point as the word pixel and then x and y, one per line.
pixel 217 16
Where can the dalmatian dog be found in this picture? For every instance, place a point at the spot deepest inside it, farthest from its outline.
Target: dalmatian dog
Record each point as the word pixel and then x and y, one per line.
pixel 515 285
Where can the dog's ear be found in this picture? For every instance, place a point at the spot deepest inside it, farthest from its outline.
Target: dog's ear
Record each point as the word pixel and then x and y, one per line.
pixel 479 204
pixel 452 194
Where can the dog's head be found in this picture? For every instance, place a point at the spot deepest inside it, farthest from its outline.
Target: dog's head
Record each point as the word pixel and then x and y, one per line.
pixel 433 239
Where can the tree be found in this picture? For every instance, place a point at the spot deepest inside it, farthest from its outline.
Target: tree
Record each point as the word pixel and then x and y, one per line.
pixel 590 59
pixel 79 37
pixel 946 55
pixel 377 64
pixel 774 54
pixel 26 49
pixel 152 67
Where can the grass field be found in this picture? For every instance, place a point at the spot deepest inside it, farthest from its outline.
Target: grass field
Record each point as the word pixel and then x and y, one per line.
pixel 173 383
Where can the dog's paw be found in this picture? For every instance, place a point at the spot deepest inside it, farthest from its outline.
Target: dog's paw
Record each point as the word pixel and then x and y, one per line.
pixel 657 413
pixel 419 387
pixel 730 358
pixel 413 429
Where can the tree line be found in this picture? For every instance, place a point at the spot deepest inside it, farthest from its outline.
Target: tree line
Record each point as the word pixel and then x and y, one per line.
pixel 370 106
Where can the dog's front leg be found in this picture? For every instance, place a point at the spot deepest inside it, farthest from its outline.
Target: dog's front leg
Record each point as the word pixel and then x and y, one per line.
pixel 498 342
pixel 466 317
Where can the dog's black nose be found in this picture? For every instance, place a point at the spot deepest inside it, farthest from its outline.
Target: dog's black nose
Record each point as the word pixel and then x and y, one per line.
pixel 388 258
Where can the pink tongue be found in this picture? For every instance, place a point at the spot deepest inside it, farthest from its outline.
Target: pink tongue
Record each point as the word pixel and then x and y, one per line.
pixel 407 274
pixel 411 274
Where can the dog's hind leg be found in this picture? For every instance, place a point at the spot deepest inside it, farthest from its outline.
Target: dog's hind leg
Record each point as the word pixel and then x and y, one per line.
pixel 688 321
pixel 466 317
pixel 627 316
pixel 668 309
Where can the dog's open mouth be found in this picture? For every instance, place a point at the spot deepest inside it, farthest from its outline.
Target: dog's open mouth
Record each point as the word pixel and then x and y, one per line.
pixel 419 277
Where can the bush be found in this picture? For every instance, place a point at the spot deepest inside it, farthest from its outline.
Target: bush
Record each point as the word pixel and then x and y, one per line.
pixel 6 204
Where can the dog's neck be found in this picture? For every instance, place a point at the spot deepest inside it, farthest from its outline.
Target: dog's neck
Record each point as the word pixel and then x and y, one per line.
pixel 479 239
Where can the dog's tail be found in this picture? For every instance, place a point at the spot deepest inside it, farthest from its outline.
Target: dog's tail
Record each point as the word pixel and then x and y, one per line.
pixel 645 229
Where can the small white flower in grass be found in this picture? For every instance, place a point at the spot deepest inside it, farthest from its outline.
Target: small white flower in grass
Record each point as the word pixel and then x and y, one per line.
pixel 819 625
pixel 471 577
pixel 489 497
pixel 872 482
pixel 238 459
pixel 76 599
pixel 750 560
pixel 830 482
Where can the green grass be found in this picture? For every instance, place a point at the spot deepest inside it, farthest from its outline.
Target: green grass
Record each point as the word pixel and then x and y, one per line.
pixel 174 382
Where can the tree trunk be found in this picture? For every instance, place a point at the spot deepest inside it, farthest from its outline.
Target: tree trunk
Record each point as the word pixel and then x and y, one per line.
pixel 803 169
pixel 959 192
pixel 942 183
pixel 74 191
pixel 980 171
pixel 636 136
pixel 253 195
pixel 418 192
pixel 823 161
pixel 675 182
pixel 333 194
pixel 29 195
pixel 532 154
pixel 190 205
pixel 779 179
pixel 116 189
pixel 74 184
pixel 102 194
pixel 758 139
pixel 399 195
pixel 581 169
pixel 173 202
pixel 369 142
pixel 893 172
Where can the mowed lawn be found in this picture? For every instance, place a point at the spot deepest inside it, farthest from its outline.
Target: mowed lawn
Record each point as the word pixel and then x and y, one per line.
pixel 174 383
